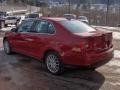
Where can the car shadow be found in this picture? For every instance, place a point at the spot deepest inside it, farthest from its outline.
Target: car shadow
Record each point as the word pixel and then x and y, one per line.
pixel 77 80
pixel 34 73
pixel 71 79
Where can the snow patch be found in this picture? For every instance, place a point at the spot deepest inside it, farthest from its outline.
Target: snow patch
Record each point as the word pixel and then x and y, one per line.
pixel 116 54
pixel 117 71
pixel 1 38
pixel 116 35
pixel 114 63
pixel 6 29
pixel 111 28
pixel 114 84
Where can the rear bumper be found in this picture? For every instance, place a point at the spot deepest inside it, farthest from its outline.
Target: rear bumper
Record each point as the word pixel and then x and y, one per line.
pixel 99 59
pixel 89 59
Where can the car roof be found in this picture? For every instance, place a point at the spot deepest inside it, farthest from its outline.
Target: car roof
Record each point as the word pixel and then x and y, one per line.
pixel 56 19
pixel 53 18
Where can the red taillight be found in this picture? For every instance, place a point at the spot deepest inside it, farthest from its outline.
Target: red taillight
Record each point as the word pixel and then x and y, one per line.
pixel 84 45
pixel 87 45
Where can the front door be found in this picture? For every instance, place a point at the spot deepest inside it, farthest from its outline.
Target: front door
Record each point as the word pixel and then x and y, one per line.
pixel 21 37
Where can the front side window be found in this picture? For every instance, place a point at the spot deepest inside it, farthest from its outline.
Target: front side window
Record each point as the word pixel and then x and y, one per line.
pixel 76 26
pixel 25 26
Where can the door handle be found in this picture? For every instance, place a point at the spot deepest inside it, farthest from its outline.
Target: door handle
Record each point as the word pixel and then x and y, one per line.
pixel 29 39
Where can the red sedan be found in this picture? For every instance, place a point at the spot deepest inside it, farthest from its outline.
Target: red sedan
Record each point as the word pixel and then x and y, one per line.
pixel 59 42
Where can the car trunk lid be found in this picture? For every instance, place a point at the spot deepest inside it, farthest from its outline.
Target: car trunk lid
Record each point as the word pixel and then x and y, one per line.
pixel 97 41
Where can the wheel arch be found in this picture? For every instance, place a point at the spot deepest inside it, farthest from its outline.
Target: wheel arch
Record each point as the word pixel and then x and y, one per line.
pixel 5 38
pixel 49 50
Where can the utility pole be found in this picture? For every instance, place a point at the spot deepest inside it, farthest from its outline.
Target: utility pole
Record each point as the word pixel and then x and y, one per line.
pixel 89 4
pixel 69 6
pixel 119 15
pixel 107 13
pixel 0 6
pixel 28 6
pixel 1 1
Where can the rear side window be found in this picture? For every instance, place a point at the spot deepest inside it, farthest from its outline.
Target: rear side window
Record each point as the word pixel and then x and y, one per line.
pixel 41 27
pixel 44 27
pixel 76 26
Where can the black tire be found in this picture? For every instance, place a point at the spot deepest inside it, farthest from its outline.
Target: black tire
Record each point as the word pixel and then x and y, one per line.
pixel 53 63
pixel 7 48
pixel 92 69
pixel 6 25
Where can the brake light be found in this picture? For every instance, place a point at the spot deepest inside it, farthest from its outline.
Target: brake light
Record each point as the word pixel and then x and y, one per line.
pixel 84 45
pixel 88 45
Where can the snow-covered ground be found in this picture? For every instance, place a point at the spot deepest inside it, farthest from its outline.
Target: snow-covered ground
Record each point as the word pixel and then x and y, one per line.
pixel 114 63
pixel 115 30
pixel 108 28
pixel 117 54
pixel 116 35
pixel 8 28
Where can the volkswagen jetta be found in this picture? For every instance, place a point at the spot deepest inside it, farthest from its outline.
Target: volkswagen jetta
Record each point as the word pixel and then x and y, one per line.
pixel 59 42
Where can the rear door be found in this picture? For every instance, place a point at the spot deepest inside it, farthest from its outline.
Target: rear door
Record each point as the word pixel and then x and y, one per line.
pixel 40 37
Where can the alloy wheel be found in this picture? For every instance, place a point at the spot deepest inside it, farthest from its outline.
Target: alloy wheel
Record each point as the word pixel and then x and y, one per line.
pixel 53 63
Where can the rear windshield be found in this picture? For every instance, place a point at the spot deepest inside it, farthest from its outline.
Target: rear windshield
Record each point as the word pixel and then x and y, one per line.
pixel 82 17
pixel 11 18
pixel 76 26
pixel 70 16
pixel 33 15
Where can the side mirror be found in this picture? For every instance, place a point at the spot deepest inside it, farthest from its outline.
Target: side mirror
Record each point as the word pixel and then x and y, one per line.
pixel 13 29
